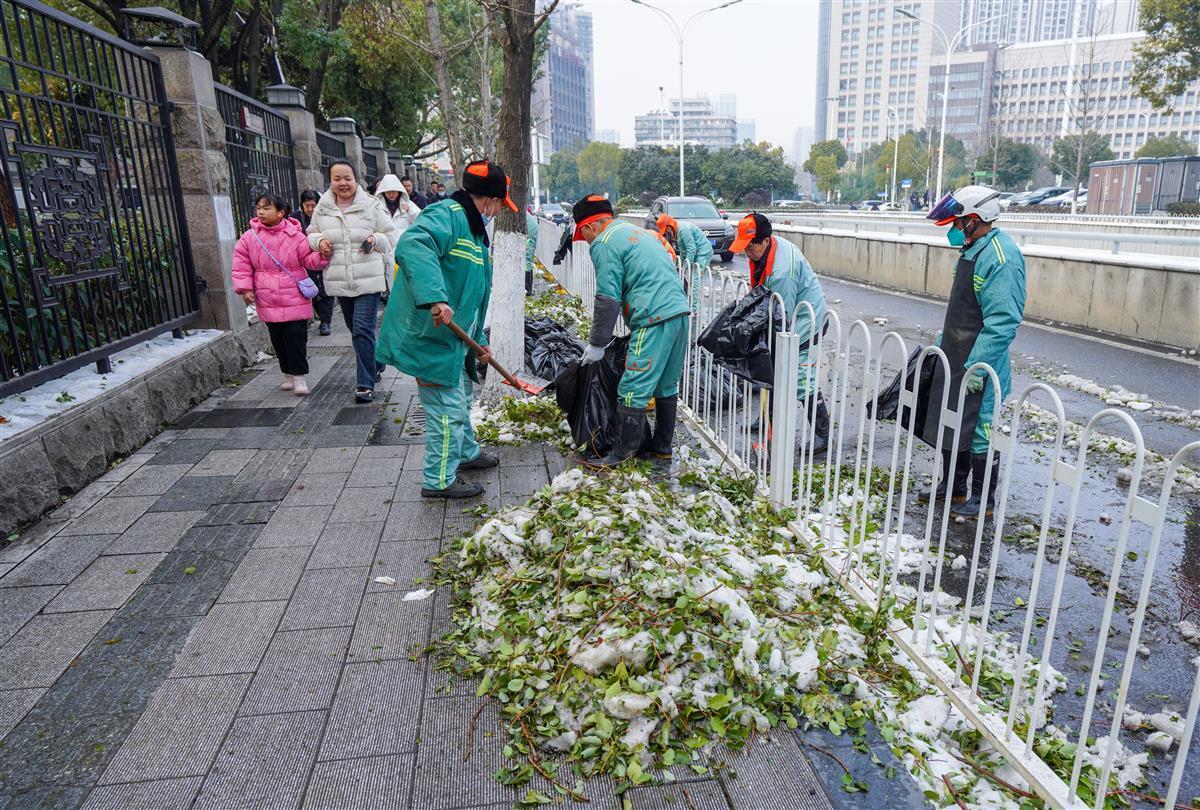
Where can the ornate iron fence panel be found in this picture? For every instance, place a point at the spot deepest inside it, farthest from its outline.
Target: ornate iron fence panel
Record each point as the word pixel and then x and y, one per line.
pixel 332 148
pixel 94 252
pixel 258 148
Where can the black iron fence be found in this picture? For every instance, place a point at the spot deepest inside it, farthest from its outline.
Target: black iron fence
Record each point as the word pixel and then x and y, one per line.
pixel 332 148
pixel 372 164
pixel 258 148
pixel 94 252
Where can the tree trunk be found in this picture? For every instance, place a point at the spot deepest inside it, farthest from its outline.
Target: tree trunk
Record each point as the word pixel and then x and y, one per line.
pixel 514 32
pixel 441 72
pixel 485 90
pixel 332 11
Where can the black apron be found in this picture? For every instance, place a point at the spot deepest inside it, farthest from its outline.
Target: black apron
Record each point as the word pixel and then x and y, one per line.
pixel 964 322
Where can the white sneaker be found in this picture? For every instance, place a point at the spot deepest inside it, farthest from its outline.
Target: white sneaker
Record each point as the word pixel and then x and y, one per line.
pixel 300 387
pixel 289 382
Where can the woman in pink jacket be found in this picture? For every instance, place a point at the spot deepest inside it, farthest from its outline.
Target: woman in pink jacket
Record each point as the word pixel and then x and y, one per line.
pixel 269 264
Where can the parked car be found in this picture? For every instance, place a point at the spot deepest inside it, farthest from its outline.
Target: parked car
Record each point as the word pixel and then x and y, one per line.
pixel 1064 200
pixel 1005 198
pixel 700 212
pixel 554 212
pixel 870 205
pixel 1037 196
pixel 787 203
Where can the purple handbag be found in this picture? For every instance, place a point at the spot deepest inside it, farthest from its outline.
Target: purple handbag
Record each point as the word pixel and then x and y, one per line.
pixel 308 288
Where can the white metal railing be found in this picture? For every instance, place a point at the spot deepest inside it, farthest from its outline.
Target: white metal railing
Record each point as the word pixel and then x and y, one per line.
pixel 872 565
pixel 856 507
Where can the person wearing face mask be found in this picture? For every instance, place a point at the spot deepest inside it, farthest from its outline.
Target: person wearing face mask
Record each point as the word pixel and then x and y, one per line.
pixel 354 232
pixel 780 267
pixel 986 305
pixel 635 277
pixel 444 274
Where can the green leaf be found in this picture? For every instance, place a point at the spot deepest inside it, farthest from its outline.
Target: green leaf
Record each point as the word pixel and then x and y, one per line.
pixel 484 685
pixel 718 701
pixel 717 725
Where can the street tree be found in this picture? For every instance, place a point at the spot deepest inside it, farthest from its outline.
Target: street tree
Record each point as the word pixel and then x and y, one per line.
pixel 827 148
pixel 1167 59
pixel 824 170
pixel 736 172
pixel 648 172
pixel 1012 164
pixel 1087 98
pixel 1072 154
pixel 1170 146
pixel 562 176
pixel 599 167
pixel 514 24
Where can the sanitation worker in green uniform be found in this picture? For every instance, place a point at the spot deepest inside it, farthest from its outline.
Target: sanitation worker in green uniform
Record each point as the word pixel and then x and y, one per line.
pixel 635 277
pixel 531 240
pixel 444 273
pixel 986 305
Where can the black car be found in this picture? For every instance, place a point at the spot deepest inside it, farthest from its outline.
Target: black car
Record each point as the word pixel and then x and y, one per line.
pixel 700 212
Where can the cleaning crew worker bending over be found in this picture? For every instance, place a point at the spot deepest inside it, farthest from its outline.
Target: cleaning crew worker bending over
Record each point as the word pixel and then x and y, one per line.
pixel 691 246
pixel 779 266
pixel 986 305
pixel 444 273
pixel 635 276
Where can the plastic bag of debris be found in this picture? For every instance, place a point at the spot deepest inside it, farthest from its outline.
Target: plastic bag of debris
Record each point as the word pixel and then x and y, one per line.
pixel 741 337
pixel 549 348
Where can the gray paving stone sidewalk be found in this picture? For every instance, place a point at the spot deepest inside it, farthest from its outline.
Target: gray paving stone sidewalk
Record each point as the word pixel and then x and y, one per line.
pixel 201 627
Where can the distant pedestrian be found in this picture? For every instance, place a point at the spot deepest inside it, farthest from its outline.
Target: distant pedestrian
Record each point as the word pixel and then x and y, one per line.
pixel 398 204
pixel 269 264
pixel 437 192
pixel 322 304
pixel 354 232
pixel 420 199
pixel 914 202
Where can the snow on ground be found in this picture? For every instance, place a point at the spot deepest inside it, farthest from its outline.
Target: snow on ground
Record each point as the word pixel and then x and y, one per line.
pixel 1121 397
pixel 30 408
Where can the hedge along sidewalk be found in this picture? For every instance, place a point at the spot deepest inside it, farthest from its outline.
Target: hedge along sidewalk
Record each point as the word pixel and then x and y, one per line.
pixel 47 453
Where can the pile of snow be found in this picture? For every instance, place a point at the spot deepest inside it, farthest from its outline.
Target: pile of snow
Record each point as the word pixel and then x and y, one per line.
pixel 560 307
pixel 20 412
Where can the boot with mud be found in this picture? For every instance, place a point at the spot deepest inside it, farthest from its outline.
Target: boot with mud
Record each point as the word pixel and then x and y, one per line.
pixel 631 431
pixel 962 471
pixel 975 504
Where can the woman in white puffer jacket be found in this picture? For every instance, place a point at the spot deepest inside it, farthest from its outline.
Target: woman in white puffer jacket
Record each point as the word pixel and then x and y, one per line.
pixel 397 203
pixel 352 230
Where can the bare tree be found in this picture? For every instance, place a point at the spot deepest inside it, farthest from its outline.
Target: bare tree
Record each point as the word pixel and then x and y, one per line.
pixel 515 22
pixel 1087 98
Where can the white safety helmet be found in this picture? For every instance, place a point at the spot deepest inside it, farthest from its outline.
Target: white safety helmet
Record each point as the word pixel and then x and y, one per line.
pixel 980 201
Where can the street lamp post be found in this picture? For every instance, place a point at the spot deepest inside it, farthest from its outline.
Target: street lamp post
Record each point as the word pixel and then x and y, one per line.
pixel 950 43
pixel 894 116
pixel 680 35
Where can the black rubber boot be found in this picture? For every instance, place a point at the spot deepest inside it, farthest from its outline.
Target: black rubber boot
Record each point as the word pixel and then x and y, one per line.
pixel 631 432
pixel 974 505
pixel 483 461
pixel 962 470
pixel 659 446
pixel 819 415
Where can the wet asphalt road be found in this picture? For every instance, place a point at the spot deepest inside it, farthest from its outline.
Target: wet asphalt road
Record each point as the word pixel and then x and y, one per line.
pixel 1161 680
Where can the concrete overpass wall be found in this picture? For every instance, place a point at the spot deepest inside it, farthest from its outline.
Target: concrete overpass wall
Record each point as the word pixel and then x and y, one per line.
pixel 1153 298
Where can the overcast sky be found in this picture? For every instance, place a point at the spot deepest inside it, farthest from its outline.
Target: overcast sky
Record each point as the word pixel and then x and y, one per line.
pixel 763 50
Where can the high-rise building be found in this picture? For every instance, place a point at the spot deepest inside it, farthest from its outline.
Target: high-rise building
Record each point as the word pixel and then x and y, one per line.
pixel 563 101
pixel 1041 92
pixel 702 126
pixel 802 142
pixel 972 77
pixel 1023 21
pixel 871 59
pixel 747 130
pixel 608 135
pixel 727 105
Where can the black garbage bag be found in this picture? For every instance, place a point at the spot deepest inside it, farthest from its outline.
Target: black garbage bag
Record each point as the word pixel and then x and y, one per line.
pixel 549 348
pixel 739 338
pixel 713 385
pixel 588 396
pixel 928 416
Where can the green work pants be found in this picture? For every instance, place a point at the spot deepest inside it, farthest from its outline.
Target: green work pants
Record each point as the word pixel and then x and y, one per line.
pixel 449 437
pixel 654 362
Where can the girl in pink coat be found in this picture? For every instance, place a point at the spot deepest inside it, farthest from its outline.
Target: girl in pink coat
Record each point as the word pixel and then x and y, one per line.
pixel 269 262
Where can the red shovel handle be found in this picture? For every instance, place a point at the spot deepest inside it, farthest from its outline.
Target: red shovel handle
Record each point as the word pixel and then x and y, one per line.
pixel 475 347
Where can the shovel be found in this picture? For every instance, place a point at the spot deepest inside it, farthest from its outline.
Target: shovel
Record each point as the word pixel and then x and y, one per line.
pixel 528 388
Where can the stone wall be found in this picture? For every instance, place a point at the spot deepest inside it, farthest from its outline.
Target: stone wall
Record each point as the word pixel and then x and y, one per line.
pixel 60 457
